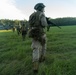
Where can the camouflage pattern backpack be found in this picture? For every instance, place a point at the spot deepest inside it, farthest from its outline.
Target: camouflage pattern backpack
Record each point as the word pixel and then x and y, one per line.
pixel 36 29
pixel 34 19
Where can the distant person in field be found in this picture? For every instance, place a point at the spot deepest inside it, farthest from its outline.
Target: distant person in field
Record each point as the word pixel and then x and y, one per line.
pixel 23 31
pixel 13 29
pixel 37 22
pixel 18 30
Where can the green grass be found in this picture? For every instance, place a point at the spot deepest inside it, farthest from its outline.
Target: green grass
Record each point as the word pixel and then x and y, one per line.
pixel 16 55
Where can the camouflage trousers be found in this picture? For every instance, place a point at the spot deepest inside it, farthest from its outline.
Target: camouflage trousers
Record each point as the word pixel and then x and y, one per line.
pixel 38 48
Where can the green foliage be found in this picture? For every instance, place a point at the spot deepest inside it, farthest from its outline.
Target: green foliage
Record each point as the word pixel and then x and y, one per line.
pixel 65 21
pixel 16 55
pixel 8 24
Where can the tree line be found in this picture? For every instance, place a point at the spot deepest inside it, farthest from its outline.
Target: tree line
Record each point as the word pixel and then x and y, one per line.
pixel 8 24
pixel 65 21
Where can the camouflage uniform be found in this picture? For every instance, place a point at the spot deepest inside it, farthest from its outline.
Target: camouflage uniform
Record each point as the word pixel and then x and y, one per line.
pixel 38 38
pixel 13 29
pixel 39 41
pixel 39 49
pixel 18 30
pixel 23 31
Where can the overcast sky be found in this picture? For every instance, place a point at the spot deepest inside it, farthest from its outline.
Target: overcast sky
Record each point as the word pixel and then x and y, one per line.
pixel 21 9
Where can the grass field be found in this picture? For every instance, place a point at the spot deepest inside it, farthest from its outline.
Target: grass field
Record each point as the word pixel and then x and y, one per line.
pixel 16 55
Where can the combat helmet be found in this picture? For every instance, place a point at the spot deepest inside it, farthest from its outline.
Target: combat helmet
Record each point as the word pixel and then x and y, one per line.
pixel 39 6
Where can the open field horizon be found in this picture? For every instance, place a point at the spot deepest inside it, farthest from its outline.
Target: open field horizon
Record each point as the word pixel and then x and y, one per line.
pixel 16 55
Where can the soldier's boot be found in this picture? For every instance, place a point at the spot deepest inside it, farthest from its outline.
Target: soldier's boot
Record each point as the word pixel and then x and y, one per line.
pixel 35 67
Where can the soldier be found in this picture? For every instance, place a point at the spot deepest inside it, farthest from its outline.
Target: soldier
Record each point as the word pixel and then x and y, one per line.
pixel 23 31
pixel 18 30
pixel 13 29
pixel 37 22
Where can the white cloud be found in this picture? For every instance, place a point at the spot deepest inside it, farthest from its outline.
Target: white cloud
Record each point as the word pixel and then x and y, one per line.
pixel 8 10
